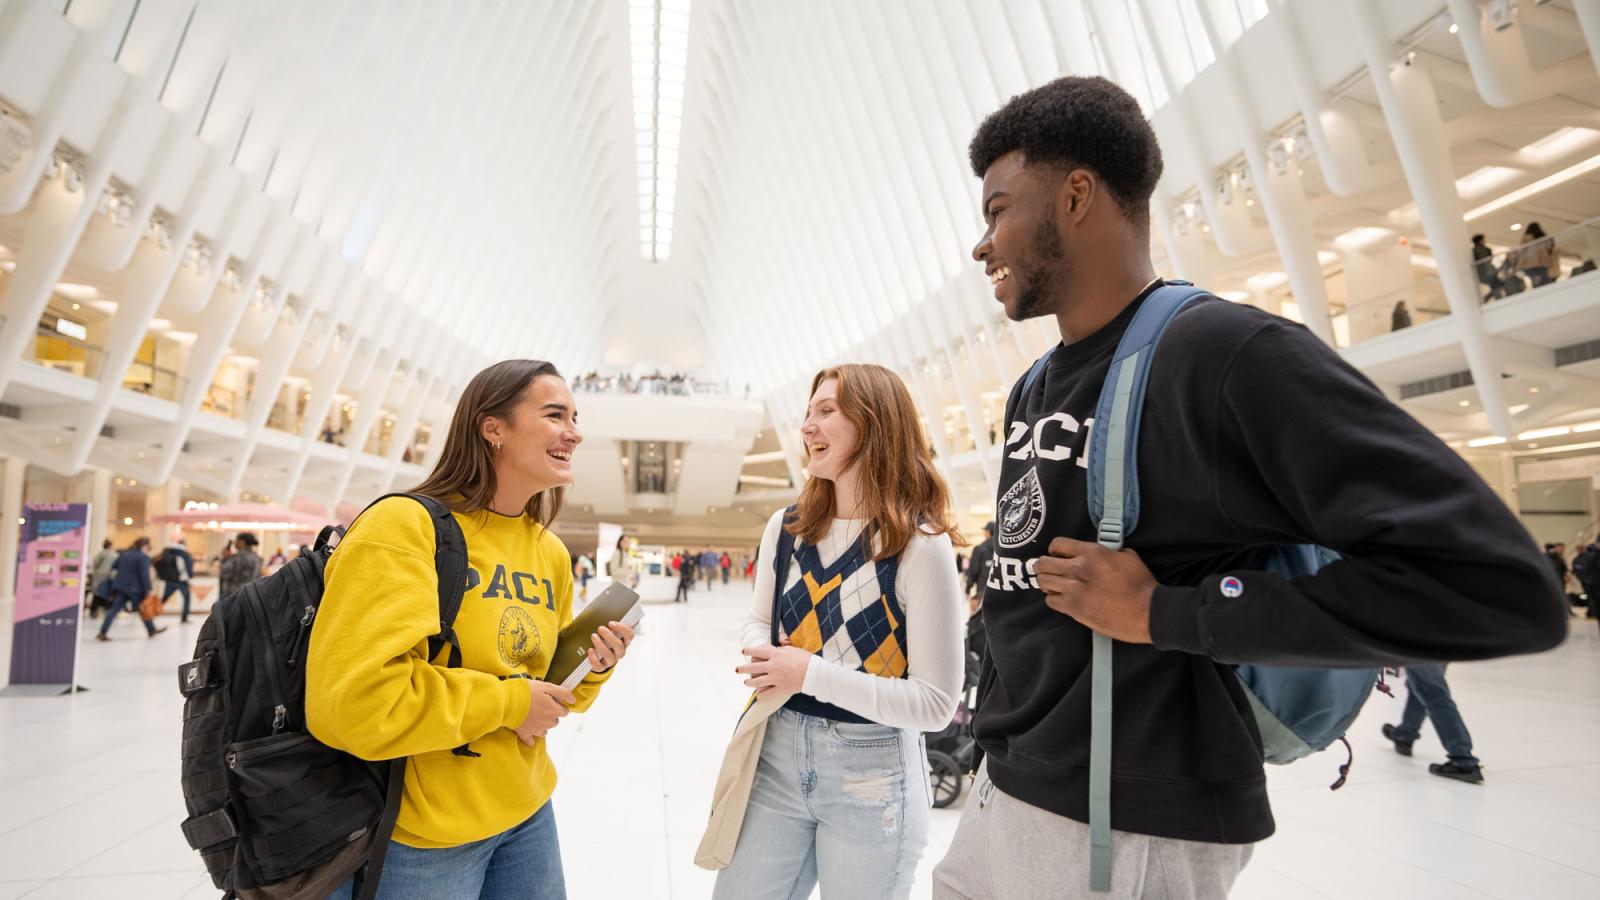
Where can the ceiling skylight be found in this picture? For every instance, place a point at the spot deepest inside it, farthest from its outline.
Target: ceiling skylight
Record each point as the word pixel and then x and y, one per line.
pixel 659 37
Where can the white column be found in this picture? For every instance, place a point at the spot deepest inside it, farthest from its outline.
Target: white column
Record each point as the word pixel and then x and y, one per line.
pixel 94 488
pixel 1282 197
pixel 11 472
pixel 1411 109
pixel 1589 20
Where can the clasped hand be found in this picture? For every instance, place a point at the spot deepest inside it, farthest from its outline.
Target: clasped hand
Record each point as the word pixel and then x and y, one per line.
pixel 1107 590
pixel 551 702
pixel 779 670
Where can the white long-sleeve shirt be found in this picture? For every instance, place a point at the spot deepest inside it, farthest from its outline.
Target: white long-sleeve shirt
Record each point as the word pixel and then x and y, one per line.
pixel 928 588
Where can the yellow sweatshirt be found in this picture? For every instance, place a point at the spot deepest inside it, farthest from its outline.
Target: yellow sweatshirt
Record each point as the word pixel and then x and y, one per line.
pixel 371 691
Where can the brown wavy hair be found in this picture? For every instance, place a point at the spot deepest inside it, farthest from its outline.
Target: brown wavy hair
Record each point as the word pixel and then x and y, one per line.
pixel 464 477
pixel 901 489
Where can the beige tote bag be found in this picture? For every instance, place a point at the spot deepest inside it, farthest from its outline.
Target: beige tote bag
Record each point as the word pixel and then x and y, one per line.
pixel 734 781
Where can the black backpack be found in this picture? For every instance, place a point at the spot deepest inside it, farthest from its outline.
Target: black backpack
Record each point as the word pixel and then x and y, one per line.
pixel 167 567
pixel 1584 565
pixel 268 803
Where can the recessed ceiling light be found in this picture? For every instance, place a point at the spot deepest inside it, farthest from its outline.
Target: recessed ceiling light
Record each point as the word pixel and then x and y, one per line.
pixel 1537 433
pixel 1533 390
pixel 1465 403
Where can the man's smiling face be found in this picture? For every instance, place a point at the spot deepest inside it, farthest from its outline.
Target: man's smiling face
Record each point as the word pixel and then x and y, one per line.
pixel 1021 249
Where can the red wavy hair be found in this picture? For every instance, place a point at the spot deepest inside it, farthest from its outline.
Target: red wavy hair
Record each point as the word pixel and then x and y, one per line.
pixel 900 488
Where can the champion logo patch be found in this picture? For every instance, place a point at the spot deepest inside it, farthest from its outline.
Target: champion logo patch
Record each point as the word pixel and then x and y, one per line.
pixel 1232 587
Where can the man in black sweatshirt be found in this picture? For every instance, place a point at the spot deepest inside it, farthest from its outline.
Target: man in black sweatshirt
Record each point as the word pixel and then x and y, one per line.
pixel 1254 433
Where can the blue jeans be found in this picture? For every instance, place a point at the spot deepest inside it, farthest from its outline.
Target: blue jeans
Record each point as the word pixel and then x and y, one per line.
pixel 843 805
pixel 523 862
pixel 174 587
pixel 117 601
pixel 1428 697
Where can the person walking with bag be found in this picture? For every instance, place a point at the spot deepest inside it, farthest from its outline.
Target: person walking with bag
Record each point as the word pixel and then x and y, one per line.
pixel 857 623
pixel 176 568
pixel 475 817
pixel 100 578
pixel 130 585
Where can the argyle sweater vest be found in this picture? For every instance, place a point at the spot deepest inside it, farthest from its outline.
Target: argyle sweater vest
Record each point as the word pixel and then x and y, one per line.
pixel 845 612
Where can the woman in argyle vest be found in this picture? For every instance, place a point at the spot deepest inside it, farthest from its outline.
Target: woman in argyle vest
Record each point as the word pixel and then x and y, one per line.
pixel 858 621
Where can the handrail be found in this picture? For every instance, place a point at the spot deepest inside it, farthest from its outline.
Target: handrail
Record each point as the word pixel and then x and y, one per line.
pixel 1503 271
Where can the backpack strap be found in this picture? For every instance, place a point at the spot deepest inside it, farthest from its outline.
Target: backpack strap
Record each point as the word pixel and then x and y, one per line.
pixel 780 569
pixel 1114 510
pixel 450 561
pixel 1032 377
pixel 1114 444
pixel 369 877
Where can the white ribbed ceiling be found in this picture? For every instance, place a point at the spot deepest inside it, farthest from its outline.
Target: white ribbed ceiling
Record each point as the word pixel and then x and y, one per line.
pixel 508 172
pixel 462 152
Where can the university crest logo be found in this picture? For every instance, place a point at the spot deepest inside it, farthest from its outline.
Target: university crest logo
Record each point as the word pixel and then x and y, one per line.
pixel 1022 511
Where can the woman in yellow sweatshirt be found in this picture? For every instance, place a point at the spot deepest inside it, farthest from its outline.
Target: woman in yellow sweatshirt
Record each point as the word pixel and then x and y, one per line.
pixel 475 823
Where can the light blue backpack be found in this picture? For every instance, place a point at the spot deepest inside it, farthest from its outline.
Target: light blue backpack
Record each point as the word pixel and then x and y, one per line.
pixel 1298 711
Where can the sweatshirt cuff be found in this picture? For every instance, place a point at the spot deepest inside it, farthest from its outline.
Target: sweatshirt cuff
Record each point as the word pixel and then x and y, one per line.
pixel 810 684
pixel 519 697
pixel 1175 619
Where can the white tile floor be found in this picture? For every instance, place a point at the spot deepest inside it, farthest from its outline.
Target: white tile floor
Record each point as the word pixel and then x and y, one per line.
pixel 91 802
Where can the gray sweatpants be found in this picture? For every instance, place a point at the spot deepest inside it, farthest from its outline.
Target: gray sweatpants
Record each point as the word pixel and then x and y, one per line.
pixel 1005 849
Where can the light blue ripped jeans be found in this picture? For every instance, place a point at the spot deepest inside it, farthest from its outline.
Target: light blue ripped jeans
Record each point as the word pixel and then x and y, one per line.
pixel 833 803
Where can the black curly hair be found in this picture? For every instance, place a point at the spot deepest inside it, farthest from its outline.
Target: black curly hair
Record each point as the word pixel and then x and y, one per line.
pixel 1077 122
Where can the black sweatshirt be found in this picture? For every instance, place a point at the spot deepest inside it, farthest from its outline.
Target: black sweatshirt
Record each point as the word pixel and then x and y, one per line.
pixel 1254 433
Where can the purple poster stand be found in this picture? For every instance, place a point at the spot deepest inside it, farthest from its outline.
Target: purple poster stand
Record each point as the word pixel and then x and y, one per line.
pixel 52 568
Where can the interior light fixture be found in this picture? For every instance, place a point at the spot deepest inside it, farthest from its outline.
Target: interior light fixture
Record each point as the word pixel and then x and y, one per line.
pixel 1543 184
pixel 1491 441
pixel 1363 238
pixel 77 291
pixel 1483 179
pixel 1566 448
pixel 659 42
pixel 1558 143
pixel 1537 433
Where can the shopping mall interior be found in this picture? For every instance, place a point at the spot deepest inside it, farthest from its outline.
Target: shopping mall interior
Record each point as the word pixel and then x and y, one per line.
pixel 252 251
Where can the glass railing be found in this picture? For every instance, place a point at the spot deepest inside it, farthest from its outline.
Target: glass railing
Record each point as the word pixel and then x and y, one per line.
pixel 222 401
pixel 657 385
pixel 378 442
pixel 279 419
pixel 156 381
pixel 1422 301
pixel 67 354
pixel 1568 253
pixel 289 413
pixel 1537 261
